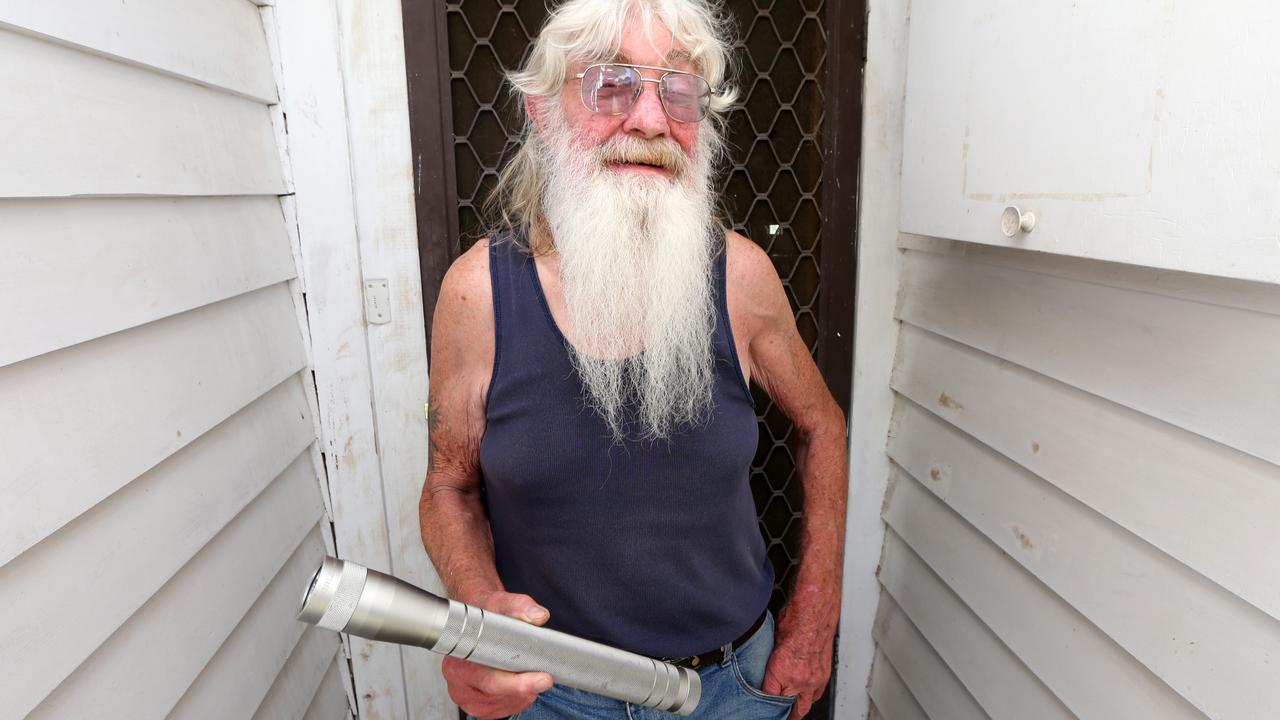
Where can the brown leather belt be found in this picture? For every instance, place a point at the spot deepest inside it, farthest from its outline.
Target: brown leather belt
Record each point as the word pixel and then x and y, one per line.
pixel 715 657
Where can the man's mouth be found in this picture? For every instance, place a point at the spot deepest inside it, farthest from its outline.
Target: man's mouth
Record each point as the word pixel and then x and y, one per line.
pixel 640 165
pixel 657 158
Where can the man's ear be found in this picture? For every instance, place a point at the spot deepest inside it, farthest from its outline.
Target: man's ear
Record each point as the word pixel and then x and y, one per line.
pixel 533 106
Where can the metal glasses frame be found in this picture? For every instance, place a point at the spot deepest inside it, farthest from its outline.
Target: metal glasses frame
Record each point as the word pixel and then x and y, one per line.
pixel 666 72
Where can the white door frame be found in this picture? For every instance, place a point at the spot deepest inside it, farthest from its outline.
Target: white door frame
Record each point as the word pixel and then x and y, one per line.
pixel 346 125
pixel 875 346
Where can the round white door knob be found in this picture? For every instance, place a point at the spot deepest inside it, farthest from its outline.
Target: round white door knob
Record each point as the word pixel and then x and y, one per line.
pixel 1014 221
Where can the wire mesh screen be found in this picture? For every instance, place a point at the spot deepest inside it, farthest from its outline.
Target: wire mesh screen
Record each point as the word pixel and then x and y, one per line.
pixel 771 185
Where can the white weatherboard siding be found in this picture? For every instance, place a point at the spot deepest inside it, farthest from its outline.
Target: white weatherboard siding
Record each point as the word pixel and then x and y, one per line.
pixel 91 126
pixel 1145 529
pixel 211 42
pixel 890 698
pixel 1142 525
pixel 162 492
pixel 1084 456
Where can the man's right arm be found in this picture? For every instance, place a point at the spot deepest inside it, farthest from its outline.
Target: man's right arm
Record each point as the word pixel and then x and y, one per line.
pixel 455 527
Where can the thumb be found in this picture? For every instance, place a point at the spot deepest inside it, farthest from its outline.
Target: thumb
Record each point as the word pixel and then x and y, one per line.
pixel 521 607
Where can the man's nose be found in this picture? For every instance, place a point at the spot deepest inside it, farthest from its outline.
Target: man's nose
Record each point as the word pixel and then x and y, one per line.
pixel 646 118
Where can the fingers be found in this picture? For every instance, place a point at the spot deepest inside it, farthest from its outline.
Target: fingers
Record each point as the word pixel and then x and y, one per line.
pixel 488 693
pixel 525 686
pixel 804 700
pixel 521 607
pixel 805 697
pixel 771 686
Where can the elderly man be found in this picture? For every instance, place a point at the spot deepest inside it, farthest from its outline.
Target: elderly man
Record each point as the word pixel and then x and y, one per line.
pixel 591 425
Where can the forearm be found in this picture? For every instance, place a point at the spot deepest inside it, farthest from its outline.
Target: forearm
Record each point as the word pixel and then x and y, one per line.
pixel 822 469
pixel 802 651
pixel 456 534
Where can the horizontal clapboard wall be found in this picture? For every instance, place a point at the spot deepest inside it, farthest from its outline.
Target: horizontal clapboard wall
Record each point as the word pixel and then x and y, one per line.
pixel 163 502
pixel 1086 471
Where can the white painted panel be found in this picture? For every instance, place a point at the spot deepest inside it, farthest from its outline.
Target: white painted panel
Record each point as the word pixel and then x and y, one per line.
pixel 1048 118
pixel 1206 643
pixel 330 703
pixel 926 675
pixel 1197 500
pixel 137 539
pixel 891 696
pixel 213 42
pixel 1137 131
pixel 77 269
pixel 92 126
pixel 239 676
pixel 1206 368
pixel 993 675
pixel 138 397
pixel 299 682
pixel 372 34
pixel 1077 661
pixel 314 99
pixel 146 666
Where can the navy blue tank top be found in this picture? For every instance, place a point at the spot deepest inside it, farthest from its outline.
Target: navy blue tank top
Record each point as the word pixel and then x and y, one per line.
pixel 653 547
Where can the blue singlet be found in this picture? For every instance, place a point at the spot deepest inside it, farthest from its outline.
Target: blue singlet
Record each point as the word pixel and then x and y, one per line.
pixel 650 547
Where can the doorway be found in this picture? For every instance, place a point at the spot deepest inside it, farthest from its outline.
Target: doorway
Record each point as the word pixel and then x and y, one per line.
pixel 789 184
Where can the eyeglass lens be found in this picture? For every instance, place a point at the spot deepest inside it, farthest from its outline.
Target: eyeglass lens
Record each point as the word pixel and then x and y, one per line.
pixel 613 89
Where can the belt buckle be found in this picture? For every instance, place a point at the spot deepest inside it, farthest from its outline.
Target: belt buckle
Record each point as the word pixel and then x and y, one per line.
pixel 689 661
pixel 697 662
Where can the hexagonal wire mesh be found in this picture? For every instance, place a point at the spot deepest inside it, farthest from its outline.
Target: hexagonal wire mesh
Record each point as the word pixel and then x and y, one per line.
pixel 772 185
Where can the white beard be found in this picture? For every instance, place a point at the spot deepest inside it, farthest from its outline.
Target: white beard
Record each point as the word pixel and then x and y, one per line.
pixel 635 256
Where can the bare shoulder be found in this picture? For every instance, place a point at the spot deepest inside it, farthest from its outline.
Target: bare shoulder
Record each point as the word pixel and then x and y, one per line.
pixel 755 293
pixel 469 275
pixel 462 330
pixel 749 266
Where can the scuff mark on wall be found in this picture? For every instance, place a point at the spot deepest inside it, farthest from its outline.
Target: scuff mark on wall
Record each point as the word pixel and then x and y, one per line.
pixel 1023 539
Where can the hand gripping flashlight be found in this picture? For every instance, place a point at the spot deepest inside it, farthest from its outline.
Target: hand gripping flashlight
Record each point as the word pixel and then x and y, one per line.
pixel 347 597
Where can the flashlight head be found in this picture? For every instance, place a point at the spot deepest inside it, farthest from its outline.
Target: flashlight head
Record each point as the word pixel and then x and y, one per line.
pixel 346 597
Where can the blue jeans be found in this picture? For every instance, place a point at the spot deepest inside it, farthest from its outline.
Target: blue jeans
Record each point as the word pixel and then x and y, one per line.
pixel 730 690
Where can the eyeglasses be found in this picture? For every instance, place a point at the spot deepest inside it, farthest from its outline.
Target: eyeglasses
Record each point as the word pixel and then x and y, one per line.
pixel 613 88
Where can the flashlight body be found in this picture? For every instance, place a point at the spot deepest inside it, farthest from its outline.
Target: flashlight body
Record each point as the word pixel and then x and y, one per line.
pixel 349 598
pixel 508 644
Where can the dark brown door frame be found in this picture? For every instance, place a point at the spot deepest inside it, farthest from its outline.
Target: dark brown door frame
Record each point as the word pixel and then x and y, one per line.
pixel 842 152
pixel 431 134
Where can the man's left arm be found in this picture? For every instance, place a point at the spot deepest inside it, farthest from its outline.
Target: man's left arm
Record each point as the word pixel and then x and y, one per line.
pixel 781 365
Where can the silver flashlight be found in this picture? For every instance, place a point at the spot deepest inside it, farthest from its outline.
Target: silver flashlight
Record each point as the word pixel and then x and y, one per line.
pixel 350 598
